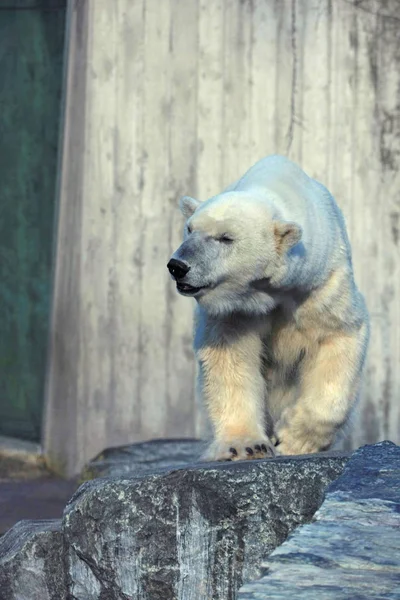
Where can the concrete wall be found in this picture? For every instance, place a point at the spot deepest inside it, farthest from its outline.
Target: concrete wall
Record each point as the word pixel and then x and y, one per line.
pixel 182 96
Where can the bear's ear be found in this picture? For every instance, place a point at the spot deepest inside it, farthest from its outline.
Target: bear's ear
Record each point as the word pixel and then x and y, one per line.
pixel 188 205
pixel 286 235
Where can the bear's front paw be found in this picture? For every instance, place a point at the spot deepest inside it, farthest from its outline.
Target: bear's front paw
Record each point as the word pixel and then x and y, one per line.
pixel 289 443
pixel 240 450
pixel 295 447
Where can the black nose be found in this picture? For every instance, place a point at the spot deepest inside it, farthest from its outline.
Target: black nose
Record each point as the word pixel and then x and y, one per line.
pixel 177 268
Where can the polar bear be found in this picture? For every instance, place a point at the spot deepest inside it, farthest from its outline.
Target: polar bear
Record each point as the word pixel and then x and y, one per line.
pixel 281 328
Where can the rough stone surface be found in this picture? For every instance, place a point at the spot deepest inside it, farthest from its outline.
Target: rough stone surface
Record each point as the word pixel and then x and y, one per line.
pixel 31 562
pixel 200 532
pixel 352 549
pixel 188 534
pixel 145 457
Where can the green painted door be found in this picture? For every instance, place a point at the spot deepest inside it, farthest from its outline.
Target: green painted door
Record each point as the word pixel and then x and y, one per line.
pixel 31 57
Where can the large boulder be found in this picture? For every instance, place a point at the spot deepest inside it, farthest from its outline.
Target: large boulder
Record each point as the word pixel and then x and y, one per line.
pixel 352 549
pixel 191 533
pixel 145 457
pixel 147 531
pixel 32 562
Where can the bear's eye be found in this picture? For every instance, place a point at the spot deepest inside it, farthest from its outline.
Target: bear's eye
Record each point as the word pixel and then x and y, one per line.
pixel 189 229
pixel 225 238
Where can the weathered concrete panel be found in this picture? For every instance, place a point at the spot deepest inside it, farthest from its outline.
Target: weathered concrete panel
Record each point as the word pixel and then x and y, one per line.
pixel 181 96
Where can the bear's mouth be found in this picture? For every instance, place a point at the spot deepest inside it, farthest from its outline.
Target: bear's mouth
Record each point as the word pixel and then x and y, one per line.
pixel 188 290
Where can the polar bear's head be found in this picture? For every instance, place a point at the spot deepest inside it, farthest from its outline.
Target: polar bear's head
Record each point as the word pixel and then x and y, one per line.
pixel 234 253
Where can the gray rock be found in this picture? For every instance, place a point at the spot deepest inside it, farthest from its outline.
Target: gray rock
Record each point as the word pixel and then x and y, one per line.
pixel 31 562
pixel 352 549
pixel 188 534
pixel 145 457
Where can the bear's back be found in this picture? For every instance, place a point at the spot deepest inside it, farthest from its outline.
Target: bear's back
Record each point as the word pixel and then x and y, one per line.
pixel 295 192
pixel 299 198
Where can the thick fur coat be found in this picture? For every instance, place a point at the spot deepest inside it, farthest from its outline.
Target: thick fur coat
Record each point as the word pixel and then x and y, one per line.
pixel 281 328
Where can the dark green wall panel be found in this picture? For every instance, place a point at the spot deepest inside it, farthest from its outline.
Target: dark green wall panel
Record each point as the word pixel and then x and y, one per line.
pixel 31 56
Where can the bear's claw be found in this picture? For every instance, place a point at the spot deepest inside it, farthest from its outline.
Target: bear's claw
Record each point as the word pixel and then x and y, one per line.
pixel 240 451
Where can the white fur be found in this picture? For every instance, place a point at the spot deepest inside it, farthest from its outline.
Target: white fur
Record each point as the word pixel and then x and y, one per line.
pixel 282 329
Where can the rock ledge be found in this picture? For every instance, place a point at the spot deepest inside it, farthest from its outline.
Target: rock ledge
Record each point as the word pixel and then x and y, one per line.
pixel 352 549
pixel 150 528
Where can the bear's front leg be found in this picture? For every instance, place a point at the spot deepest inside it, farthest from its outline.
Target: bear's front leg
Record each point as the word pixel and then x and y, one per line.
pixel 233 390
pixel 330 382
